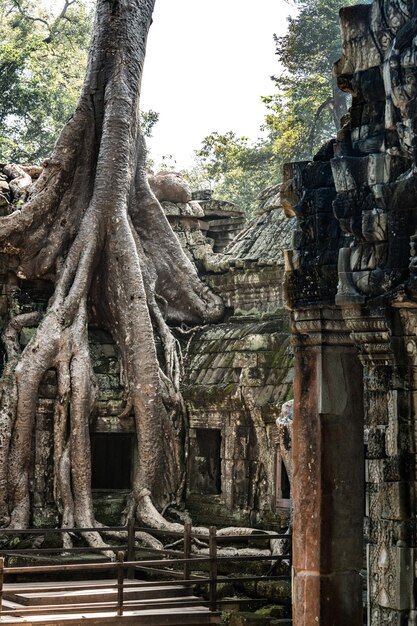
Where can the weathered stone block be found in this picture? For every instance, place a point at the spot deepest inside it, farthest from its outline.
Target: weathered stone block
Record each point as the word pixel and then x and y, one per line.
pixel 391 576
pixel 374 471
pixel 381 616
pixel 389 501
pixel 397 468
pixel 244 359
pixel 248 619
pixel 110 407
pixel 394 532
pixel 376 443
pixel 317 174
pixel 376 408
pixel 108 349
pixel 236 442
pixel 47 391
pixel 279 591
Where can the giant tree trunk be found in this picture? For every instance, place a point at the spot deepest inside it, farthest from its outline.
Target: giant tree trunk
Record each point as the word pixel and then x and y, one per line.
pixel 92 225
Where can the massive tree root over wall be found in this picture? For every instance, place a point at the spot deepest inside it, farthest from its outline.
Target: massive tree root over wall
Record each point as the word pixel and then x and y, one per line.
pixel 92 226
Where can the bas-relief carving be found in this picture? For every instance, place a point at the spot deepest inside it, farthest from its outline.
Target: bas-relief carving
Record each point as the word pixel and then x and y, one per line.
pixel 387 501
pixel 375 178
pixel 353 250
pixel 390 582
pixel 375 157
pixel 388 487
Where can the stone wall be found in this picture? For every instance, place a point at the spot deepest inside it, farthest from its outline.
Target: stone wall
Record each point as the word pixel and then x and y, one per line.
pixel 240 373
pixel 351 286
pixel 237 374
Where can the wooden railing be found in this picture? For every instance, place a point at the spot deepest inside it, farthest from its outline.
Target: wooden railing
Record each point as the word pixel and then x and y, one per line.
pixel 125 566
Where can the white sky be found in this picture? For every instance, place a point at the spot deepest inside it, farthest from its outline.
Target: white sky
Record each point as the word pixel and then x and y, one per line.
pixel 208 62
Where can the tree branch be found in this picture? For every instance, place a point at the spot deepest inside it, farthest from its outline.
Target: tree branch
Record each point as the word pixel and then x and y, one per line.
pixel 31 18
pixel 67 4
pixel 324 105
pixel 51 27
pixel 60 17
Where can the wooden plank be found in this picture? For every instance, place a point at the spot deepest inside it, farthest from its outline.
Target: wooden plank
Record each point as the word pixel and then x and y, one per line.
pixel 45 597
pixel 104 606
pixel 165 617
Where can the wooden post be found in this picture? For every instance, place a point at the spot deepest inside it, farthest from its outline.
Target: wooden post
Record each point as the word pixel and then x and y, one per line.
pixel 187 551
pixel 213 568
pixel 131 545
pixel 120 580
pixel 1 581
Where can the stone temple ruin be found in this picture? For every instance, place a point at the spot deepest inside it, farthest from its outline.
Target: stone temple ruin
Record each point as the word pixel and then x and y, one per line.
pixel 237 374
pixel 341 265
pixel 352 289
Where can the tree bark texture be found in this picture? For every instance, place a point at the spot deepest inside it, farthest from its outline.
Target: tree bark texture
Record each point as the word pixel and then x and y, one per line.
pixel 92 226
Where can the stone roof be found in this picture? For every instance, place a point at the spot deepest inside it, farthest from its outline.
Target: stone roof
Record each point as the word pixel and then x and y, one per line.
pixel 266 236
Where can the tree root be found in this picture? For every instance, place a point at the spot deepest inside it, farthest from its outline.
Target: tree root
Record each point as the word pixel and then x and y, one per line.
pixel 19 181
pixel 94 228
pixel 151 518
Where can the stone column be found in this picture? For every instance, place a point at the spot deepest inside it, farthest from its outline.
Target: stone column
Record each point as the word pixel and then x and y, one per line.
pixel 386 343
pixel 328 472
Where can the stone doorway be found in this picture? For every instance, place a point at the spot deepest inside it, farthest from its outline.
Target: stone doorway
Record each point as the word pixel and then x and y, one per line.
pixel 111 460
pixel 206 474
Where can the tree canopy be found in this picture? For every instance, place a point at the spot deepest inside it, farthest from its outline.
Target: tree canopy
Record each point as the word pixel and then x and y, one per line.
pixel 302 112
pixel 43 57
pixel 306 107
pixel 42 62
pixel 234 167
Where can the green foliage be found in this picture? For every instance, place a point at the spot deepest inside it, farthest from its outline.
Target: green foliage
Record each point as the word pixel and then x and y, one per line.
pixel 302 113
pixel 43 56
pixel 234 168
pixel 306 108
pixel 148 120
pixel 42 63
pixel 312 42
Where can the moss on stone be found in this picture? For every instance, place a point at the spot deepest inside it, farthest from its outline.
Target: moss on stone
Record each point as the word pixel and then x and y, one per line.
pixel 274 610
pixel 108 508
pixel 278 590
pixel 245 618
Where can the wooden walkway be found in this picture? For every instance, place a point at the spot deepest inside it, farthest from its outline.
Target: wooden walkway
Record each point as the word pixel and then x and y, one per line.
pixel 93 602
pixel 165 600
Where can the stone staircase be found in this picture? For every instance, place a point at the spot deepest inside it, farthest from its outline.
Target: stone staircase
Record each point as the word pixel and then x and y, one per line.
pixel 67 604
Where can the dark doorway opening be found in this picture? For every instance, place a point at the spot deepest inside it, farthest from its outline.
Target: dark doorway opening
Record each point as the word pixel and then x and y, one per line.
pixel 206 476
pixel 111 457
pixel 282 485
pixel 285 483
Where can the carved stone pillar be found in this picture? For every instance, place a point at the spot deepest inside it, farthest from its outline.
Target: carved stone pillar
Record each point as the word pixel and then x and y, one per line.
pixel 385 339
pixel 328 471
